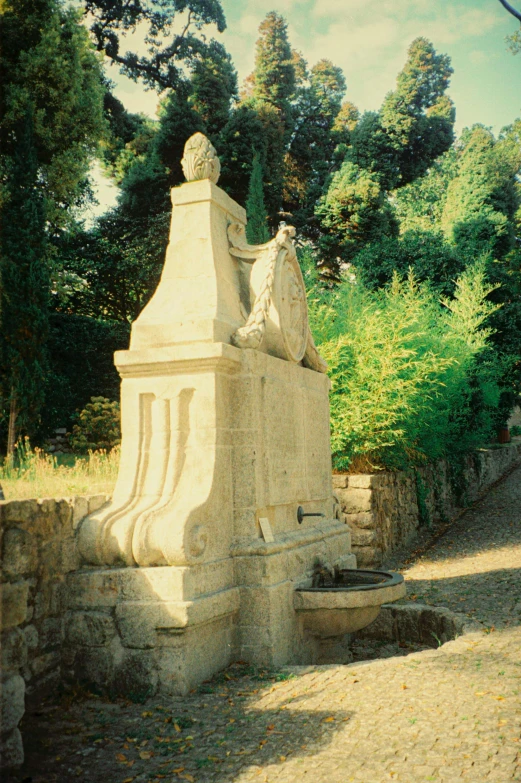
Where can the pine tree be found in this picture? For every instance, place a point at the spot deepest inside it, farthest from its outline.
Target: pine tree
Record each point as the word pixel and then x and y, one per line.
pixel 257 225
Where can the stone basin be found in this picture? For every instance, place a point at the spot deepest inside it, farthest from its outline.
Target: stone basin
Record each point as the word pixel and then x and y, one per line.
pixel 351 602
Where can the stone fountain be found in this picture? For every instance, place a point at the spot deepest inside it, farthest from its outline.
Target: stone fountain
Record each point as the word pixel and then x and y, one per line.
pixel 225 434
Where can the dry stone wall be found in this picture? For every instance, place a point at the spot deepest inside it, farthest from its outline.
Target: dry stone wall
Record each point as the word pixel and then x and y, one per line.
pixel 385 510
pixel 38 550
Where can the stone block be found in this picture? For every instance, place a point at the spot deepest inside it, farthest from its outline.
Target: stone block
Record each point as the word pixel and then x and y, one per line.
pixel 89 629
pixel 12 702
pixel 361 481
pixel 69 556
pixel 19 553
pixel 437 626
pixel 96 502
pixel 14 650
pixel 364 519
pixel 14 603
pixel 63 514
pixel 368 556
pixel 383 628
pixel 340 481
pixel 136 676
pixel 79 511
pixel 44 663
pixel 31 637
pixel 50 633
pixel 42 601
pixel 137 624
pixel 93 589
pixel 355 500
pixel 362 537
pixel 408 622
pixel 93 667
pixel 19 510
pixel 11 750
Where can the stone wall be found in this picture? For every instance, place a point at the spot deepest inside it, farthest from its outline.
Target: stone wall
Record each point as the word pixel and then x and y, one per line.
pixel 38 550
pixel 385 510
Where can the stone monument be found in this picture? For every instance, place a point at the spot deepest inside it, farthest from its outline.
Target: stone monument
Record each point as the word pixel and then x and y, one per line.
pixel 225 434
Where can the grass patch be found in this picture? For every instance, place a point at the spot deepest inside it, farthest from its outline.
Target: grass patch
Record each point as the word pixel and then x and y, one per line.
pixel 34 474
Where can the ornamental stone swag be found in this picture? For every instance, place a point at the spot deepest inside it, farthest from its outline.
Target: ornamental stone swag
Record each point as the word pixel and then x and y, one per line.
pixel 225 422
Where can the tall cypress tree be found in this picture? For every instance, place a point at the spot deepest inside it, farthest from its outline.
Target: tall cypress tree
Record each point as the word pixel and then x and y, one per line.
pixel 257 226
pixel 24 289
pixel 271 88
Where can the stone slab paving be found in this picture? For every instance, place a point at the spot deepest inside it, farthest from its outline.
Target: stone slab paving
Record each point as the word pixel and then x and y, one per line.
pixel 446 715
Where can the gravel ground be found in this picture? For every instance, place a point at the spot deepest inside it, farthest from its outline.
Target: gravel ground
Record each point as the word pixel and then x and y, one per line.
pixel 446 715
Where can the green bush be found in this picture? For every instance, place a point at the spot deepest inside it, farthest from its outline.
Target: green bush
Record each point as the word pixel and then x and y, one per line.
pixel 412 379
pixel 98 426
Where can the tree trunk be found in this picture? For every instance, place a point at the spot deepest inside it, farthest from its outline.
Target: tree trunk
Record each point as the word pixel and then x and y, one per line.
pixel 11 430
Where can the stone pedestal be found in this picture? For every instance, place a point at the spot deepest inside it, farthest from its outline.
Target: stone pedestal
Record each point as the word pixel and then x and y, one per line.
pixel 225 434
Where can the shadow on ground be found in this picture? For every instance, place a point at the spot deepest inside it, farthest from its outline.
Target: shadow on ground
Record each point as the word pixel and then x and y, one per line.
pixel 210 735
pixel 491 597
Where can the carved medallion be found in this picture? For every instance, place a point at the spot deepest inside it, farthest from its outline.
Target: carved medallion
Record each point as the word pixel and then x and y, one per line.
pixel 290 296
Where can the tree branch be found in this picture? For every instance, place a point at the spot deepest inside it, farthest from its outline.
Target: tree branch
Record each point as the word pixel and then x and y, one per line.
pixel 510 9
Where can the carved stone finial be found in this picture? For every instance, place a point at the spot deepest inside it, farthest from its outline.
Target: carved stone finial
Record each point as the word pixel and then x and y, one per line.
pixel 200 159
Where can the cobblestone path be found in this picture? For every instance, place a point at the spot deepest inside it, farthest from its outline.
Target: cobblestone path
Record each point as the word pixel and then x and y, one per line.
pixel 446 715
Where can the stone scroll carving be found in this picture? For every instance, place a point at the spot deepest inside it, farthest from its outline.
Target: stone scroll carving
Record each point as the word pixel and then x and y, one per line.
pixel 200 159
pixel 278 316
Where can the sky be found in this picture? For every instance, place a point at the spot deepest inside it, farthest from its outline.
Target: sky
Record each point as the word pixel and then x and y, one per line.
pixel 368 39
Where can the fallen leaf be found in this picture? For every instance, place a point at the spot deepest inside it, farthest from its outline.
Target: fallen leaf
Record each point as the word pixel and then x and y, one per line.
pixel 188 777
pixel 177 727
pixel 146 714
pixel 146 754
pixel 270 727
pixel 128 780
pixel 282 758
pixel 142 744
pixel 178 770
pixel 481 693
pixel 232 720
pixel 499 698
pixel 329 720
pixel 121 757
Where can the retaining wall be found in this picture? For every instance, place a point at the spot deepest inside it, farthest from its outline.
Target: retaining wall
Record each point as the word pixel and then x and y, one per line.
pixel 385 510
pixel 38 549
